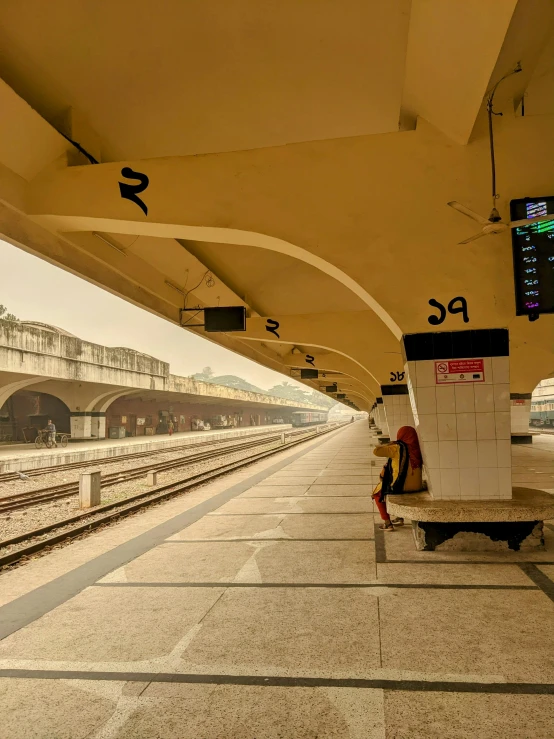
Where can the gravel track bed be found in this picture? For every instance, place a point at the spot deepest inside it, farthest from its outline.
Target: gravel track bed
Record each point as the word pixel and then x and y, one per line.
pixel 39 482
pixel 20 521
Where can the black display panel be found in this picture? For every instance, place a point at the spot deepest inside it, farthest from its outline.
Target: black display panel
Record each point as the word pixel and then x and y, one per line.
pixel 331 389
pixel 308 374
pixel 533 250
pixel 232 318
pixel 341 396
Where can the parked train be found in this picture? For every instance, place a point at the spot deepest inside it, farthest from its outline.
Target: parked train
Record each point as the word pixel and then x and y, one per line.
pixel 542 412
pixel 308 418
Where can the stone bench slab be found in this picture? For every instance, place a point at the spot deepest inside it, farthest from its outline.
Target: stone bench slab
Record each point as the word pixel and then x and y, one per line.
pixel 526 505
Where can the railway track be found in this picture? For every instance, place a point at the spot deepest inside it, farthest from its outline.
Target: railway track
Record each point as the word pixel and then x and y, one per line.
pixel 110 512
pixel 7 476
pixel 67 489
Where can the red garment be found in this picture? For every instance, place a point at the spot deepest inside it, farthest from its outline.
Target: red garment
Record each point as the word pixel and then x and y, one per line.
pixel 408 435
pixel 382 507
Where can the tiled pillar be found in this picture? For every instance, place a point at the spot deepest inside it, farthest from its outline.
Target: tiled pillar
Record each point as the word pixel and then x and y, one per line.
pixel 381 418
pixel 459 384
pixel 520 416
pixel 373 415
pixel 80 424
pixel 98 424
pixel 398 409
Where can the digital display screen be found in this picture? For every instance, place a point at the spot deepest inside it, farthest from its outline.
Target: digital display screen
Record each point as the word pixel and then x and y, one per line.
pixel 308 374
pixel 232 318
pixel 533 250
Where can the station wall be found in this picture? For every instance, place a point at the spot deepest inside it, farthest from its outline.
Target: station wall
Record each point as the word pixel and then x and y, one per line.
pixel 27 411
pixel 144 417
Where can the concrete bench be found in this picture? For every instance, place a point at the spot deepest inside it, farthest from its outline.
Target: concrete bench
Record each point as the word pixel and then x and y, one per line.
pixel 476 525
pixel 524 437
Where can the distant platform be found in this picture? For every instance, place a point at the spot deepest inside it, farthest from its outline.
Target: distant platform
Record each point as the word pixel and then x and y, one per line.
pixel 19 457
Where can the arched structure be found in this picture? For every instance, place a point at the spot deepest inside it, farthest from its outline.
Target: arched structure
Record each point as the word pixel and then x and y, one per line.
pixel 334 226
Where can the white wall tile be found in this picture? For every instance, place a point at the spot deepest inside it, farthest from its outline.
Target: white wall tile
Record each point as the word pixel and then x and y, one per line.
pixel 427 428
pixel 487 367
pixel 465 424
pixel 488 482
pixel 469 482
pixel 430 453
pixel 484 398
pixel 486 453
pixel 450 483
pixel 505 482
pixel 504 452
pixel 434 482
pixel 446 399
pixel 448 454
pixel 446 426
pixel 425 373
pixel 501 397
pixel 465 398
pixel 503 424
pixel 467 454
pixel 426 400
pixel 500 370
pixel 485 425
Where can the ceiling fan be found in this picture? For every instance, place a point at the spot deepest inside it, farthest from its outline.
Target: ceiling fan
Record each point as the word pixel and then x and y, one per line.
pixel 494 223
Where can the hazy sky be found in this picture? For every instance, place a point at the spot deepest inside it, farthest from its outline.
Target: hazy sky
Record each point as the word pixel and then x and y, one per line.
pixel 35 290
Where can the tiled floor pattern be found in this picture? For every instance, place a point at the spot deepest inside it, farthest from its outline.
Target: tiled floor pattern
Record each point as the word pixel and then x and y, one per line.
pixel 286 614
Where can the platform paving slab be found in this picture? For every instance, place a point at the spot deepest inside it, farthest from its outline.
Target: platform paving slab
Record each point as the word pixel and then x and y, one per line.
pixel 55 709
pixel 319 632
pixel 548 570
pixel 348 490
pixel 130 624
pixel 278 481
pixel 459 631
pixel 269 491
pixel 305 526
pixel 187 712
pixel 328 562
pixel 453 574
pixel 440 715
pixel 336 479
pixel 289 504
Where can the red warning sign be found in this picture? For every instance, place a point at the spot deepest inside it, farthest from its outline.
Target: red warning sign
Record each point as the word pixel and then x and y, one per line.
pixel 459 370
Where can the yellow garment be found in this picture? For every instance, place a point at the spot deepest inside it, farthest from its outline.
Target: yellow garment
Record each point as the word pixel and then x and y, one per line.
pixel 413 481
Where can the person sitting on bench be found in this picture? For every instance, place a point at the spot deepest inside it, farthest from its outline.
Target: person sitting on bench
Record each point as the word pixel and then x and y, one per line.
pixel 401 474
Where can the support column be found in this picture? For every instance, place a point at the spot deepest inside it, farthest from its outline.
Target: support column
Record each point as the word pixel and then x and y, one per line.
pixel 398 410
pixel 459 384
pixel 382 420
pixel 520 406
pixel 98 424
pixel 80 423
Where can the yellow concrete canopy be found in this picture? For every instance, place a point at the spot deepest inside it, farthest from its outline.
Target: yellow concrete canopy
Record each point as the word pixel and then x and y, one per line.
pixel 311 205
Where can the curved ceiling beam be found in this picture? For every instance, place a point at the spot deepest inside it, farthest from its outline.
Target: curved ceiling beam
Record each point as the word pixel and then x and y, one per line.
pixel 221 236
pixel 375 347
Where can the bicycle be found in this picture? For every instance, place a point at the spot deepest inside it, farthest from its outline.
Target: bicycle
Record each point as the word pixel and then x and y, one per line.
pixel 43 439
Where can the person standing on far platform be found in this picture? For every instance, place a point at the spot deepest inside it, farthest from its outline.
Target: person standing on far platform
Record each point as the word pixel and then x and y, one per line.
pixel 170 427
pixel 51 428
pixel 401 474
